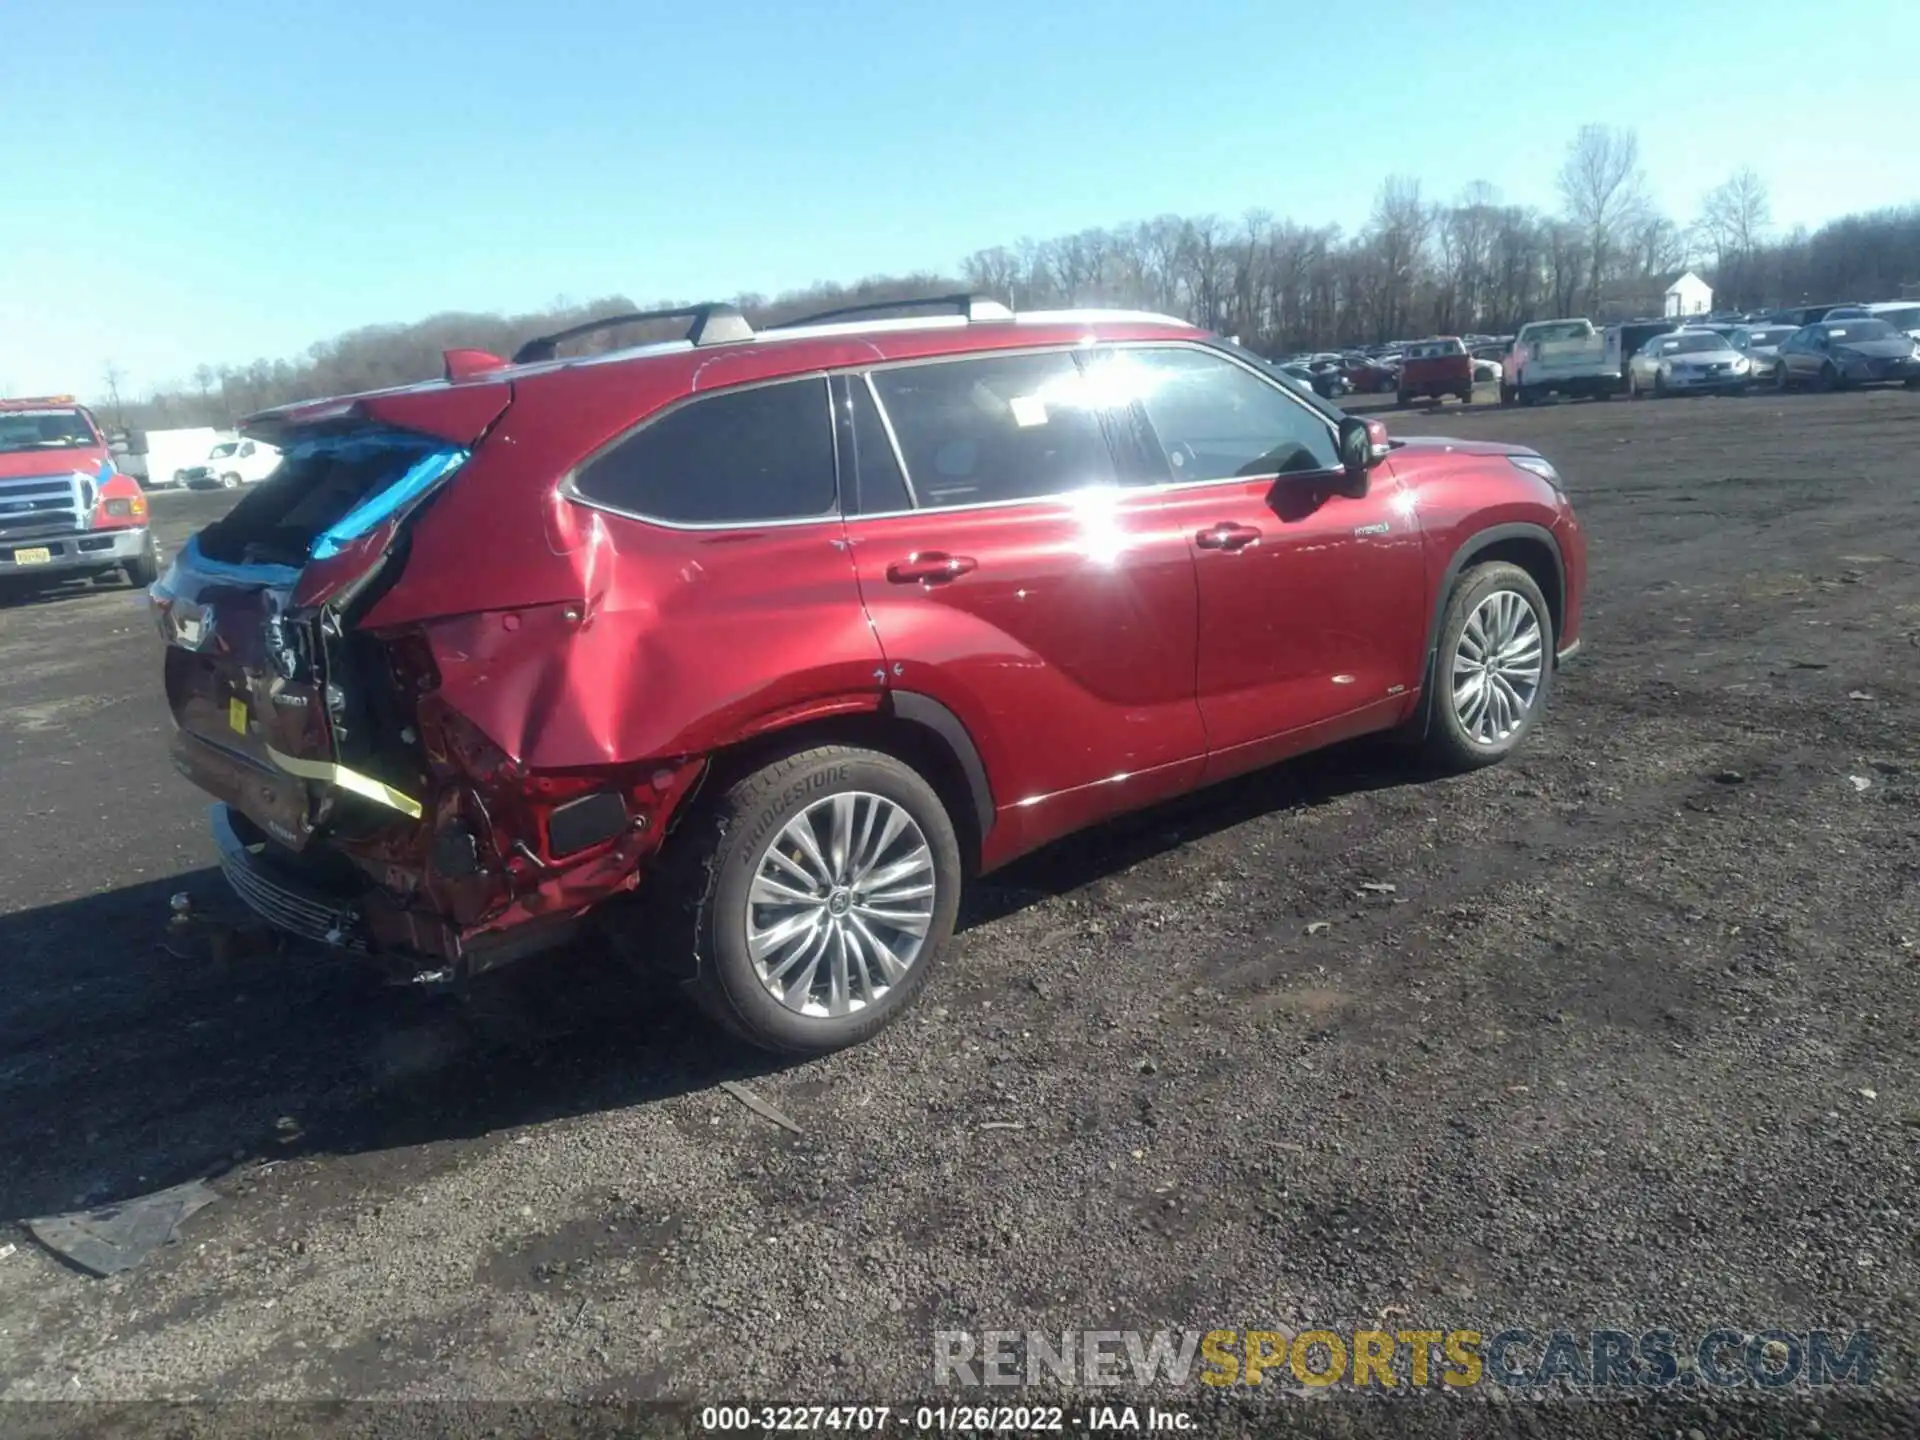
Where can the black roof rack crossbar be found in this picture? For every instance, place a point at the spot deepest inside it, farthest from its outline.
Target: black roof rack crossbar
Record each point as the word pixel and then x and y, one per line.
pixel 974 307
pixel 713 324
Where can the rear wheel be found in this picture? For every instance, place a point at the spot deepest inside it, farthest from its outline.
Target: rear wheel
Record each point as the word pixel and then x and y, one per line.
pixel 1401 397
pixel 1633 388
pixel 1781 381
pixel 1493 668
pixel 1506 393
pixel 1466 396
pixel 1829 377
pixel 810 899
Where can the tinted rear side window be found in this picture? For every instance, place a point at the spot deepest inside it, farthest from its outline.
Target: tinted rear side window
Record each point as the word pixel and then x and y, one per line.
pixel 999 428
pixel 738 457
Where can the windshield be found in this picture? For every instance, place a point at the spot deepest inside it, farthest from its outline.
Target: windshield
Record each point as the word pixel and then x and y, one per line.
pixel 1560 330
pixel 1686 344
pixel 1769 337
pixel 44 430
pixel 1907 319
pixel 227 449
pixel 1861 330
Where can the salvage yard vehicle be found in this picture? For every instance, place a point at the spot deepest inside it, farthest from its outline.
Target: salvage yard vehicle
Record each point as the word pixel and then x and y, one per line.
pixel 1436 368
pixel 1625 339
pixel 160 459
pixel 231 464
pixel 66 511
pixel 1558 357
pixel 754 647
pixel 1836 354
pixel 1902 315
pixel 1693 362
pixel 1761 345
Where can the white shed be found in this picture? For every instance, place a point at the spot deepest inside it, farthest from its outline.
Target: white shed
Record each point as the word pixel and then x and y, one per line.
pixel 1689 295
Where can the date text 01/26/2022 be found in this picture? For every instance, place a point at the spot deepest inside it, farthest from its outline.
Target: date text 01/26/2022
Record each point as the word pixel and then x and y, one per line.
pixel 958 1419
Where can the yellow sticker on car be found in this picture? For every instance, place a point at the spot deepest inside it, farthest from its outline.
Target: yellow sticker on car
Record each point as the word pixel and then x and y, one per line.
pixel 38 555
pixel 237 714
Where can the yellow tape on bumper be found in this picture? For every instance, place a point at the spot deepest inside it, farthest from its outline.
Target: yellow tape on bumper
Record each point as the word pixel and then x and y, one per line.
pixel 352 781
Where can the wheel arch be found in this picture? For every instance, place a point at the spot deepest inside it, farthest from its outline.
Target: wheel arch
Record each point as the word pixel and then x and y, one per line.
pixel 913 728
pixel 1533 549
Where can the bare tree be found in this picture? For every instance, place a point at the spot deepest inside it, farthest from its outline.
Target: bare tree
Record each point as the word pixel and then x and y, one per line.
pixel 111 378
pixel 1400 227
pixel 1605 193
pixel 1733 216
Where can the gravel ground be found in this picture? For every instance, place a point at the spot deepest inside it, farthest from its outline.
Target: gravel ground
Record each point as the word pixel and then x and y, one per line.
pixel 1629 1041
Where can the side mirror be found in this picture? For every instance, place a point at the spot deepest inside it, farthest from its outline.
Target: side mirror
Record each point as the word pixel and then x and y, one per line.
pixel 1363 445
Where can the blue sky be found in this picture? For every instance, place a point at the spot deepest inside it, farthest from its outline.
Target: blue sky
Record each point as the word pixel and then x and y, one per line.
pixel 203 180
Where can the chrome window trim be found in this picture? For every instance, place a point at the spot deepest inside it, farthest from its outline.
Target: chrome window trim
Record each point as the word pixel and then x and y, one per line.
pixel 865 370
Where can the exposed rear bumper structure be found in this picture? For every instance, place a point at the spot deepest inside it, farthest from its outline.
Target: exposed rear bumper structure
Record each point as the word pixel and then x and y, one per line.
pixel 409 947
pixel 282 900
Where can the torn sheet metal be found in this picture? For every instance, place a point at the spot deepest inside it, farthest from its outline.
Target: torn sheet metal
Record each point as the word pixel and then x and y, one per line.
pixel 118 1237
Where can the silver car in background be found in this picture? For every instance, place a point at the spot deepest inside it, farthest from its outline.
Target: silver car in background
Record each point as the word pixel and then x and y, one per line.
pixel 1761 345
pixel 1902 315
pixel 1688 362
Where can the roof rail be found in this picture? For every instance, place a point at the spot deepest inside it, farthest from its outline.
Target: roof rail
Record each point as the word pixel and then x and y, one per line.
pixel 713 324
pixel 973 307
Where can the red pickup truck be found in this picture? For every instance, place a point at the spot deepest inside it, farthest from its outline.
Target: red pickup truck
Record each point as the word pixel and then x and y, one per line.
pixel 1436 368
pixel 65 509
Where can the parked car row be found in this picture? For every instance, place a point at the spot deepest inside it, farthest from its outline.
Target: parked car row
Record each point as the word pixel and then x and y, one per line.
pixel 1380 369
pixel 1829 354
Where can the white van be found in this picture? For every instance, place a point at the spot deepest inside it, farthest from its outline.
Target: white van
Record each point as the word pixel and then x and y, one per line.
pixel 233 463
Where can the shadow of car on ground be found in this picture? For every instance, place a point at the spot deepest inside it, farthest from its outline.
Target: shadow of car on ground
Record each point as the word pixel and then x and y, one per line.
pixel 128 1068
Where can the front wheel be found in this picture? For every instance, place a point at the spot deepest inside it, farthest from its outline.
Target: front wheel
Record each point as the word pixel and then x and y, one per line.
pixel 144 568
pixel 812 898
pixel 229 481
pixel 1466 397
pixel 1493 667
pixel 1829 377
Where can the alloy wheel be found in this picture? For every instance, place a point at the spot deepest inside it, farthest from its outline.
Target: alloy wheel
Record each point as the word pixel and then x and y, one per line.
pixel 840 905
pixel 1497 667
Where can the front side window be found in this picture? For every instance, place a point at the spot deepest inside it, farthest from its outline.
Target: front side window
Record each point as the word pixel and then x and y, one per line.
pixel 738 457
pixel 1217 420
pixel 995 429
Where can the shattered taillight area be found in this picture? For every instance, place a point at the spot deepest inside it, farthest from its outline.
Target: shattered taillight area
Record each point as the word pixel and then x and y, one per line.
pixel 500 846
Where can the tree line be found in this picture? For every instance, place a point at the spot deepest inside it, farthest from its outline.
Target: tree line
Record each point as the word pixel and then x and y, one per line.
pixel 1471 264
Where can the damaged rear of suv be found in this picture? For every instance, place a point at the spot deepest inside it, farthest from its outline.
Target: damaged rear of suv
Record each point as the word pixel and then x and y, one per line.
pixel 753 647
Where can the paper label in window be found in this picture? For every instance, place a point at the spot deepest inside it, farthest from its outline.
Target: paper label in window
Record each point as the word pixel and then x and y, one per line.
pixel 1029 410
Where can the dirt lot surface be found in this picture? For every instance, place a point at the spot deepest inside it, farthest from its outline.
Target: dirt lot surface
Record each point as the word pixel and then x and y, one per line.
pixel 1630 1040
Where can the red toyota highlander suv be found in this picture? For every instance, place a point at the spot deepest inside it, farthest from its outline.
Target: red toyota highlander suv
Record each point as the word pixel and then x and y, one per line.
pixel 790 632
